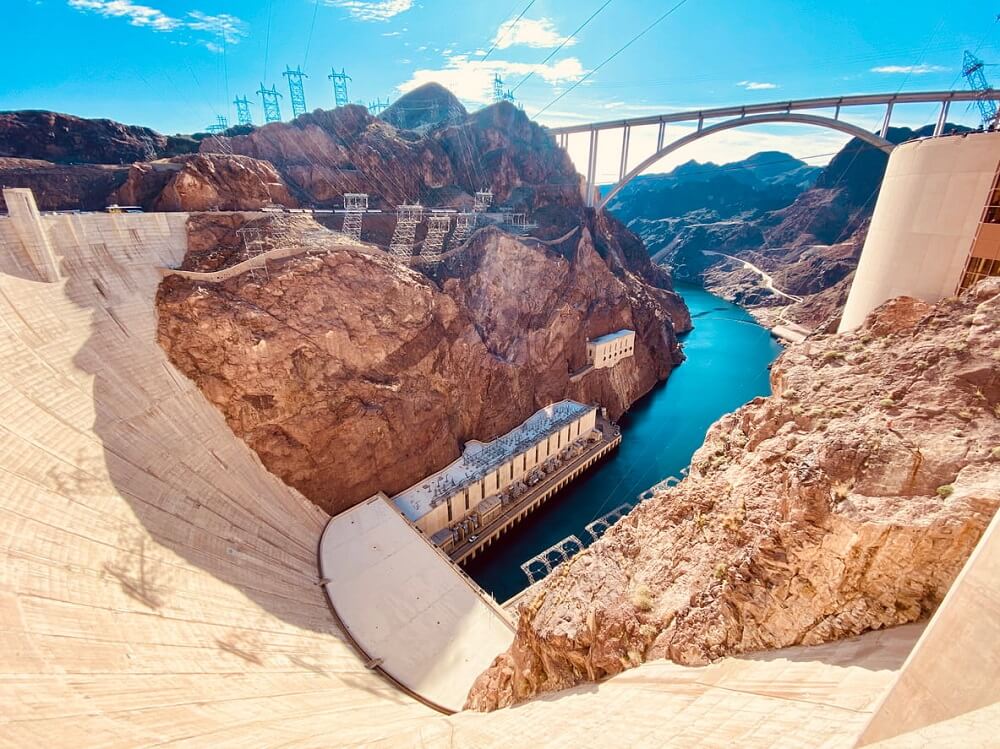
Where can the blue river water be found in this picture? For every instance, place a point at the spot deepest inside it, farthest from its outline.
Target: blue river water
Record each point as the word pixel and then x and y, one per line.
pixel 728 355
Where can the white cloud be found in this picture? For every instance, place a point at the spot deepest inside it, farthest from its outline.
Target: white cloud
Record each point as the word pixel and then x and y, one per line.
pixel 224 25
pixel 391 33
pixel 137 15
pixel 756 85
pixel 909 69
pixel 231 28
pixel 529 32
pixel 472 80
pixel 372 10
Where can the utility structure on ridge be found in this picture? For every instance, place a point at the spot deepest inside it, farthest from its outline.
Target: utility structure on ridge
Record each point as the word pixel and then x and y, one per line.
pixel 272 108
pixel 355 205
pixel 403 236
pixel 376 107
pixel 340 98
pixel 220 125
pixel 296 90
pixel 243 115
pixel 438 226
pixel 972 70
pixel 498 91
pixel 253 243
pixel 483 200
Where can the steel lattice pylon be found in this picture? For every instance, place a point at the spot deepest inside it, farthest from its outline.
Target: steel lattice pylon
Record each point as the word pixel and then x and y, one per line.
pixel 296 90
pixel 972 69
pixel 340 98
pixel 243 111
pixel 356 204
pixel 403 236
pixel 272 109
pixel 463 228
pixel 438 225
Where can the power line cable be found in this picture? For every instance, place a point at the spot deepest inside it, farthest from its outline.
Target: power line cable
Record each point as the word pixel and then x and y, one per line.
pixel 312 28
pixel 621 49
pixel 507 32
pixel 565 41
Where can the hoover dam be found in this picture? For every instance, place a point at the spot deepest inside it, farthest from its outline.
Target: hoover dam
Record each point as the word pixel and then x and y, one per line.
pixel 161 587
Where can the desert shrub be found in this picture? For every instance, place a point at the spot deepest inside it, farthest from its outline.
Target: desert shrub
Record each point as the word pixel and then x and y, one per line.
pixel 945 490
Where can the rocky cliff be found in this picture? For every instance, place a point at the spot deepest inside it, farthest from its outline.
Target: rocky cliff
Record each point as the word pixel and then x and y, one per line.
pixel 350 372
pixel 809 243
pixel 845 502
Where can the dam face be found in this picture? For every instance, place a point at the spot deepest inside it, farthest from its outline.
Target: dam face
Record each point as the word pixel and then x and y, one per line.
pixel 159 586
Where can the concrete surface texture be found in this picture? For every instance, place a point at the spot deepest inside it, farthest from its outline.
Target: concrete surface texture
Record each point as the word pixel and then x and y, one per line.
pixel 925 220
pixel 955 667
pixel 407 605
pixel 158 586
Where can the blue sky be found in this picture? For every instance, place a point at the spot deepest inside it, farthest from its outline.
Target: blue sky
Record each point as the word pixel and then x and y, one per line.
pixel 174 64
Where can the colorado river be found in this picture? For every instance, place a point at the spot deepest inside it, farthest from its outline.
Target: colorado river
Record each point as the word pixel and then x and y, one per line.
pixel 727 365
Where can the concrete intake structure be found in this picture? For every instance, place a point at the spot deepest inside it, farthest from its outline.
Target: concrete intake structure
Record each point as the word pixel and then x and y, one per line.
pixel 610 349
pixel 936 226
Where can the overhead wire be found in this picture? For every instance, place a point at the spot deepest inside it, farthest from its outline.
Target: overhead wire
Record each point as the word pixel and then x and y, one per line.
pixel 615 54
pixel 564 42
pixel 508 30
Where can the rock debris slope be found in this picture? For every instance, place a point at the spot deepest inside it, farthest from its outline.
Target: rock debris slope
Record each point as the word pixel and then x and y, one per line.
pixel 847 501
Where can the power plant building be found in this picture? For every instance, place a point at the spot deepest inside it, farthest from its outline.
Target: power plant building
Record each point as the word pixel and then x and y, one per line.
pixel 471 486
pixel 936 227
pixel 610 349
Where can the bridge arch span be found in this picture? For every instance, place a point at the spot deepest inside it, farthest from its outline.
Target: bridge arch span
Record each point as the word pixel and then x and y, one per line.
pixel 757 119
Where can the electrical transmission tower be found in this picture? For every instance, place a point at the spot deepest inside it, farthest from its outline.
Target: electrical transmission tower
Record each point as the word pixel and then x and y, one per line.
pixel 483 200
pixel 497 88
pixel 972 69
pixel 296 90
pixel 407 218
pixel 272 109
pixel 220 126
pixel 464 222
pixel 355 205
pixel 377 106
pixel 340 98
pixel 243 111
pixel 438 226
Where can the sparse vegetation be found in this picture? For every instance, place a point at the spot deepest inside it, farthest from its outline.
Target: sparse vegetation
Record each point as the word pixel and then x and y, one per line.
pixel 887 403
pixel 642 597
pixel 830 356
pixel 720 571
pixel 995 452
pixel 945 491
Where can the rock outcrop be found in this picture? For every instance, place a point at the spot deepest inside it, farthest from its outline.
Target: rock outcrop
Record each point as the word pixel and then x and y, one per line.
pixel 847 501
pixel 429 105
pixel 204 182
pixel 350 373
pixel 65 139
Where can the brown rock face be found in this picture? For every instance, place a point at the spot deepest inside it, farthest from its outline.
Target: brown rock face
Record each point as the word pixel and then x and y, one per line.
pixel 350 373
pixel 87 187
pixel 66 139
pixel 847 501
pixel 204 182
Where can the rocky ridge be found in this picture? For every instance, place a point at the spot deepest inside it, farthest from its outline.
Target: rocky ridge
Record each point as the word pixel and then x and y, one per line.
pixel 847 501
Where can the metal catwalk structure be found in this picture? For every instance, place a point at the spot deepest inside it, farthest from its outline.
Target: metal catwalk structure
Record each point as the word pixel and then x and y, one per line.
pixel 540 565
pixel 355 205
pixel 464 224
pixel 438 226
pixel 752 114
pixel 403 236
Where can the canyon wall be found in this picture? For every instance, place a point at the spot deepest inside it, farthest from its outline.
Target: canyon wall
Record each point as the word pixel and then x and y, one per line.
pixel 350 372
pixel 847 501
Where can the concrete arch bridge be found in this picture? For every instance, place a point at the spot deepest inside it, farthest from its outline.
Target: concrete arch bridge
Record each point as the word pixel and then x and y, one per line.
pixel 710 121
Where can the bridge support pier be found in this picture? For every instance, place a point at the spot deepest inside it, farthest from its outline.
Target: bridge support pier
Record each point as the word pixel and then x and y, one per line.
pixel 591 169
pixel 885 123
pixel 623 168
pixel 942 118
